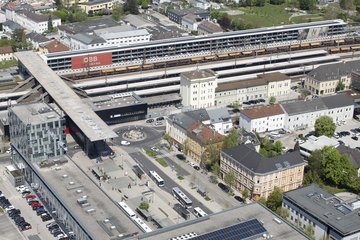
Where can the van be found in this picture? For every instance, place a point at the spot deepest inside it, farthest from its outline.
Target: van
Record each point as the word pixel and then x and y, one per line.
pixel 201 192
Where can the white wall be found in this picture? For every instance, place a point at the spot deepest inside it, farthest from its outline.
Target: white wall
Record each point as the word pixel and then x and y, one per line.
pixel 265 124
pixel 297 121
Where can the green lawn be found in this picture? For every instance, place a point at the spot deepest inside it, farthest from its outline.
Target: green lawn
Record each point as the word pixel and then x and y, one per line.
pixel 307 18
pixel 162 162
pixel 267 16
pixel 7 64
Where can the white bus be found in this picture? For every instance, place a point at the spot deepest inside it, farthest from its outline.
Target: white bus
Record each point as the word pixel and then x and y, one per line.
pixel 127 210
pixel 199 212
pixel 142 225
pixel 157 179
pixel 181 197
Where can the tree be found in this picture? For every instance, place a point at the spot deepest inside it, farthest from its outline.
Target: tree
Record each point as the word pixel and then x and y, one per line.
pixel 283 212
pixel 340 86
pixel 144 205
pixel 185 146
pixel 230 178
pixel 117 11
pixel 309 231
pixel 245 194
pixel 212 156
pixel 347 4
pixel 272 100
pixel 307 4
pixel 277 2
pixel 324 125
pixel 50 24
pixel 231 140
pixel 215 169
pixel 131 6
pixel 274 200
pixel 297 146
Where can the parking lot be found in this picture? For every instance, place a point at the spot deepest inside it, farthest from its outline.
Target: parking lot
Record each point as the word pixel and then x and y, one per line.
pixel 288 139
pixel 15 198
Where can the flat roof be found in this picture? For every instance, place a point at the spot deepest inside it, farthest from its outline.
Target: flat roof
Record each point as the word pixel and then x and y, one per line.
pixel 327 208
pixel 227 218
pixel 82 115
pixel 162 98
pixel 316 143
pixel 114 101
pixel 36 113
pixel 66 188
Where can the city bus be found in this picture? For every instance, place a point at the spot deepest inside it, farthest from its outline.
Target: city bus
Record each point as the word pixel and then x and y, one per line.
pixel 142 225
pixel 181 197
pixel 199 212
pixel 157 179
pixel 126 209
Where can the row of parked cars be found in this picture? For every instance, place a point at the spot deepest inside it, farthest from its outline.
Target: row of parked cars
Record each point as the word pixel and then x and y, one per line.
pixel 40 210
pixel 256 101
pixel 14 213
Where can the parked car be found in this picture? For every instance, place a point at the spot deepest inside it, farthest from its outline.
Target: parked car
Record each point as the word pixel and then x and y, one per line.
pixel 197 168
pixel 40 211
pixel 150 120
pixel 51 224
pixel 25 226
pixel 160 119
pixel 155 149
pixel 240 199
pixel 181 157
pixel 125 143
pixel 224 187
pixel 30 196
pixel 355 138
pixel 46 217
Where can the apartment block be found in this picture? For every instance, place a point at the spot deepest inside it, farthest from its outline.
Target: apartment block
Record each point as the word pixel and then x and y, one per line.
pixel 259 174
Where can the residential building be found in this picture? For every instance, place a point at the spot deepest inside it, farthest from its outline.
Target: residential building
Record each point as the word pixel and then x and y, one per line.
pixel 100 33
pixel 69 3
pixel 176 15
pixel 37 40
pixel 54 46
pixel 264 86
pixel 10 26
pixel 6 53
pixel 325 79
pixel 262 119
pixel 94 6
pixel 207 27
pixel 200 138
pixel 197 88
pixel 316 143
pixel 35 22
pixel 37 131
pixel 220 120
pixel 303 114
pixel 203 4
pixel 329 216
pixel 259 174
pixel 190 22
pixel 353 154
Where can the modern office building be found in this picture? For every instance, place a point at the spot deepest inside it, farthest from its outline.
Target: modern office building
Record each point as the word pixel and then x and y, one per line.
pixel 326 214
pixel 197 89
pixel 314 143
pixel 259 174
pixel 37 130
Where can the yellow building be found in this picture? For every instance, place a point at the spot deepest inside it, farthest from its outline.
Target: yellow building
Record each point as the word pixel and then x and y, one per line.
pixel 199 138
pixel 258 174
pixel 96 6
pixel 69 3
pixel 325 79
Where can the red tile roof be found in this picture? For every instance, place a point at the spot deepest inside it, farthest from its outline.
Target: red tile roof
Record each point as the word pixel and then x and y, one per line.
pixel 6 49
pixel 203 134
pixel 56 46
pixel 263 111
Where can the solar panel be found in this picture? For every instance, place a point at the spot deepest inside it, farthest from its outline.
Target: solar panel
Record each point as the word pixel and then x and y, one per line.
pixel 245 230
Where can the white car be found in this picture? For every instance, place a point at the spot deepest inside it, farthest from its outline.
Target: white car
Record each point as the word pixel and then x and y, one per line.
pixel 19 188
pixel 155 149
pixel 125 143
pixel 192 164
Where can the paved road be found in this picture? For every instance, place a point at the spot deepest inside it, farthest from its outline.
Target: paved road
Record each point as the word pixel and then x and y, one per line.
pixel 148 165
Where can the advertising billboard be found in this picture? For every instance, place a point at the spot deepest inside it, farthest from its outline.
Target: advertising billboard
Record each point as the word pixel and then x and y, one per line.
pixel 91 60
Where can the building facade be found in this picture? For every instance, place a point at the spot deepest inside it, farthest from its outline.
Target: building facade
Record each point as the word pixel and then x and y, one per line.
pixel 176 15
pixel 6 53
pixel 35 22
pixel 263 87
pixel 37 131
pixel 329 216
pixel 96 6
pixel 325 79
pixel 207 27
pixel 260 175
pixel 262 119
pixel 197 89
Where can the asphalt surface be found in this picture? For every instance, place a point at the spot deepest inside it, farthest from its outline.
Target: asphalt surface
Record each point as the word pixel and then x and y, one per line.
pixel 148 165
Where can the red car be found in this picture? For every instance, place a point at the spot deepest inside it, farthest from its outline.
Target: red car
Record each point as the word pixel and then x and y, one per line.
pixel 30 196
pixel 35 204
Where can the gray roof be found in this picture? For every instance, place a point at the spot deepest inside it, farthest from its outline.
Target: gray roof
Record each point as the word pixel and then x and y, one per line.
pixel 137 21
pixel 317 104
pixel 334 71
pixel 12 25
pixel 218 115
pixel 87 26
pixel 196 74
pixel 326 208
pixel 193 10
pixel 182 120
pixel 36 37
pixel 337 101
pixel 353 154
pixel 95 2
pixel 120 32
pixel 198 115
pixel 37 17
pixel 88 38
pixel 246 156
